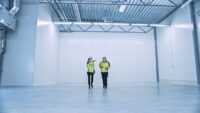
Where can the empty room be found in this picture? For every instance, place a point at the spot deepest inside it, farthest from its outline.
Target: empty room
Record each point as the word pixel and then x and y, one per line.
pixel 99 56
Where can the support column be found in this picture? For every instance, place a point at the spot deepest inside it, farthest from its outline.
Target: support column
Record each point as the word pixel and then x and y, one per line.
pixel 195 41
pixel 156 54
pixel 19 60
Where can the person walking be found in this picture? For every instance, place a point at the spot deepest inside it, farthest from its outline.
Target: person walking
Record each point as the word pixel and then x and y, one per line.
pixel 90 71
pixel 104 66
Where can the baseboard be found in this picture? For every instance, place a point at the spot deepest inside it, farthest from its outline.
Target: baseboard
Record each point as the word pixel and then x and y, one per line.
pixel 46 83
pixel 114 83
pixel 180 82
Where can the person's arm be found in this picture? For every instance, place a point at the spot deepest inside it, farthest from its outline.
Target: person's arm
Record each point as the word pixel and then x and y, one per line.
pixel 100 66
pixel 87 64
pixel 109 65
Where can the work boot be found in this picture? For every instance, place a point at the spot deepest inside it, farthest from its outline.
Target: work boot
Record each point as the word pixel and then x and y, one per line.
pixel 92 86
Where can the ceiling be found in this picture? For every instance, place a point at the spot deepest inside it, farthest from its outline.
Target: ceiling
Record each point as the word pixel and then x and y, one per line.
pixel 108 11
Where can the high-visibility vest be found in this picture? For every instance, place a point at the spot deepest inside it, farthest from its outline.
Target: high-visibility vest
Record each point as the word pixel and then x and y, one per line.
pixel 90 67
pixel 104 66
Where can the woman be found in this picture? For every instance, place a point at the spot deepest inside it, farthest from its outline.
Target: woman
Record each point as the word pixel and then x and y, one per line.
pixel 90 71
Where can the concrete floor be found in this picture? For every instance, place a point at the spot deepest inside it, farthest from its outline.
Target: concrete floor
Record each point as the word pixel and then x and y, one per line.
pixel 129 98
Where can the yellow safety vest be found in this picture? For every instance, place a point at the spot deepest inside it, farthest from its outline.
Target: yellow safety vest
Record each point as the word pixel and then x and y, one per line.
pixel 90 66
pixel 104 66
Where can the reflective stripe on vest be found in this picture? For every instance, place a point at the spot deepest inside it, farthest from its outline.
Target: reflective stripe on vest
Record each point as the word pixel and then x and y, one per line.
pixel 104 69
pixel 105 66
pixel 90 67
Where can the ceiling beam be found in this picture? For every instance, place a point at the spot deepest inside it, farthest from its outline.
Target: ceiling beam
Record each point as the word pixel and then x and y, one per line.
pixel 76 12
pixel 110 3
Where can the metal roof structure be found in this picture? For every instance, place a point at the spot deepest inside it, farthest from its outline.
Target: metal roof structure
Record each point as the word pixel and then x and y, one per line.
pixel 112 11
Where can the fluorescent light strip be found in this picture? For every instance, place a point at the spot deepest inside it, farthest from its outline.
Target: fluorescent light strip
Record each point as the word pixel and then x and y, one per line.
pixel 40 22
pixel 139 24
pixel 62 23
pixel 101 23
pixel 186 26
pixel 121 24
pixel 158 25
pixel 82 23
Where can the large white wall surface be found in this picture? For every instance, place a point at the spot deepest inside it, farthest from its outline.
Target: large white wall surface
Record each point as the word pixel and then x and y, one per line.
pixel 176 49
pixel 47 48
pixel 18 65
pixel 132 56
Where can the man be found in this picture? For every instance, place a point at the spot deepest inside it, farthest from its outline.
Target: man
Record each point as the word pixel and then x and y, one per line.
pixel 104 66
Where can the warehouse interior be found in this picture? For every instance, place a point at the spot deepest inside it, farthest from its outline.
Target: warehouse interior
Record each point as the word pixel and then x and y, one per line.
pixel 153 47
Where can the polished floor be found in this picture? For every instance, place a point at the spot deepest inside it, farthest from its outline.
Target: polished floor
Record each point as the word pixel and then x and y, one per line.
pixel 118 98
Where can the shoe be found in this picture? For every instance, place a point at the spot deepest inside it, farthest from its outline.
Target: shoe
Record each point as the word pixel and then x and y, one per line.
pixel 92 86
pixel 106 87
pixel 89 87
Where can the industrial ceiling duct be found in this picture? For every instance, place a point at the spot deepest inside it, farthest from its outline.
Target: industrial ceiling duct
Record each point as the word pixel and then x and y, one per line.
pixel 15 7
pixel 7 17
pixel 7 22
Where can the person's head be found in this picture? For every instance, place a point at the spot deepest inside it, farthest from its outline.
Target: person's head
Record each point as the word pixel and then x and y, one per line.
pixel 104 58
pixel 90 59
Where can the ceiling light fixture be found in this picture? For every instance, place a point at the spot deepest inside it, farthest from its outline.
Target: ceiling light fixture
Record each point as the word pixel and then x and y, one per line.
pixel 122 8
pixel 101 23
pixel 40 22
pixel 158 25
pixel 121 24
pixel 139 24
pixel 62 23
pixel 82 23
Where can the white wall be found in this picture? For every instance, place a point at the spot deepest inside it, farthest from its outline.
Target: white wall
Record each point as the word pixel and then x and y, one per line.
pixel 32 50
pixel 132 56
pixel 18 65
pixel 47 48
pixel 175 48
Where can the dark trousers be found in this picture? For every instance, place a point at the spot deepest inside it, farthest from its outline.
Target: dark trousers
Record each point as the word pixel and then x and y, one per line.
pixel 90 78
pixel 104 78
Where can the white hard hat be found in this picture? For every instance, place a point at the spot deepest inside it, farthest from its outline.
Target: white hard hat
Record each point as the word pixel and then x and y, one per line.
pixel 90 57
pixel 104 57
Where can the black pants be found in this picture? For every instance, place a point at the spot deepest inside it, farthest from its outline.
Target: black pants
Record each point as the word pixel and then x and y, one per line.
pixel 90 78
pixel 104 78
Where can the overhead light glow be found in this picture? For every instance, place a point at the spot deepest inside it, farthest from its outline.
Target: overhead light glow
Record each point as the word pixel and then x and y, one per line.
pixel 139 24
pixel 82 23
pixel 43 22
pixel 62 23
pixel 101 23
pixel 183 26
pixel 121 24
pixel 2 21
pixel 122 8
pixel 88 23
pixel 158 25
